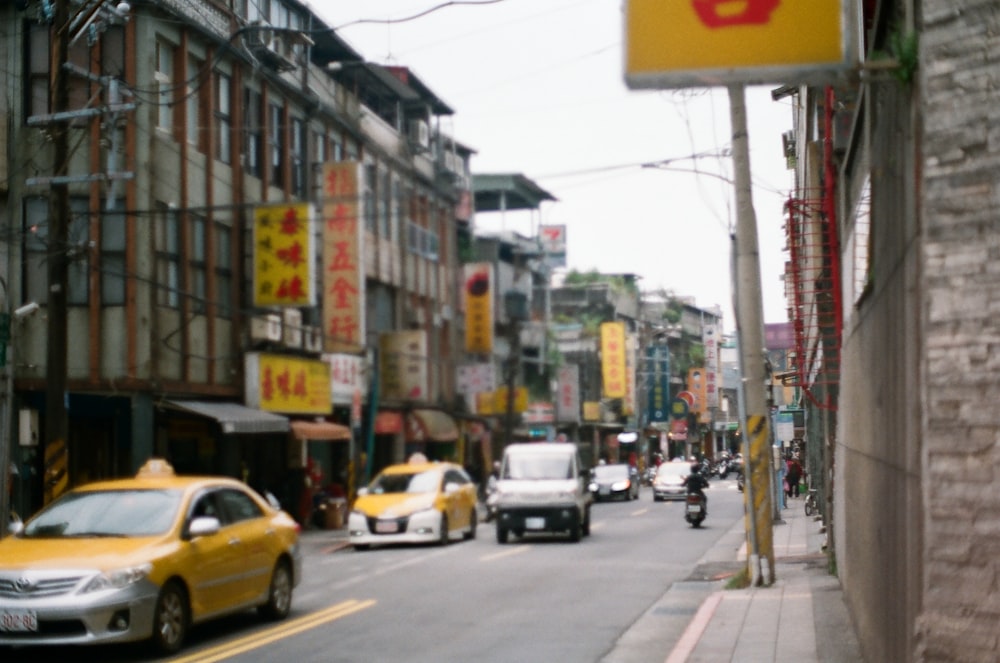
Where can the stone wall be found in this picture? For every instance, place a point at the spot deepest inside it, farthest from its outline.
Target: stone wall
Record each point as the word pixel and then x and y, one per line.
pixel 960 81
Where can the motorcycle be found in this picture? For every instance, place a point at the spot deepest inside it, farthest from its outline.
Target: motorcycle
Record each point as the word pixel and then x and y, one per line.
pixel 695 509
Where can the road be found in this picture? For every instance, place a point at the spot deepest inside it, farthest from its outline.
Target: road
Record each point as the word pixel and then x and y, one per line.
pixel 538 599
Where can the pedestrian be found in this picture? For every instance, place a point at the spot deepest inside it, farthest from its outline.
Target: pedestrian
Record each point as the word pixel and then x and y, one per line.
pixel 793 474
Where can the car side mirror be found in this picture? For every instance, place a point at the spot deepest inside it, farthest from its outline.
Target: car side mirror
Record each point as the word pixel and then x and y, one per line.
pixel 204 526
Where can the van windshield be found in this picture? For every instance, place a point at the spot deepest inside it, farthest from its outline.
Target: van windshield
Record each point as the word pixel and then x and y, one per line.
pixel 538 466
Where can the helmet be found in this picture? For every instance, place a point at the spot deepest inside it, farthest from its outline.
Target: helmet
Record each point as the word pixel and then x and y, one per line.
pixel 695 468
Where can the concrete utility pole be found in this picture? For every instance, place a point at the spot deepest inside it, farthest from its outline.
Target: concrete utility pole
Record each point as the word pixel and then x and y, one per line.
pixel 56 476
pixel 750 330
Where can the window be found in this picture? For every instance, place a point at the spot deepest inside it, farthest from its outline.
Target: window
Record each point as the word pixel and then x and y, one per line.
pixel 369 197
pixel 37 247
pixel 37 88
pixel 298 155
pixel 193 92
pixel 163 78
pixel 276 139
pixel 223 271
pixel 197 263
pixel 252 126
pixel 223 117
pixel 113 275
pixel 168 256
pixel 238 506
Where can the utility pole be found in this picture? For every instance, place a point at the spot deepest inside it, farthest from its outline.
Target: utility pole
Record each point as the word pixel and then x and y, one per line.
pixel 56 473
pixel 750 331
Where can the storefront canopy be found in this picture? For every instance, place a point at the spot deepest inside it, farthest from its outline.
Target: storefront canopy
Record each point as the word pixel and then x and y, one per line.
pixel 430 426
pixel 320 430
pixel 233 417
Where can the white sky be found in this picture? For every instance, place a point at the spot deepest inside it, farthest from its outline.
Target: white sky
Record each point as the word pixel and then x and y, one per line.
pixel 538 88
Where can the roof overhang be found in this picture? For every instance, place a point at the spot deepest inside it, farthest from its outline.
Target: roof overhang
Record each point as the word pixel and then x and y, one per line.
pixel 233 417
pixel 320 430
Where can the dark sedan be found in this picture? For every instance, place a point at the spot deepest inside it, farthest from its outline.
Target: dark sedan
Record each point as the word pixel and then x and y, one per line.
pixel 613 481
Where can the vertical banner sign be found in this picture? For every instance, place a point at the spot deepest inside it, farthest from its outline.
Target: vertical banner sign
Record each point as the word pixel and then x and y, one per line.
pixel 568 401
pixel 710 340
pixel 658 369
pixel 403 365
pixel 613 359
pixel 342 278
pixel 283 255
pixel 631 342
pixel 478 293
pixel 553 240
pixel 696 385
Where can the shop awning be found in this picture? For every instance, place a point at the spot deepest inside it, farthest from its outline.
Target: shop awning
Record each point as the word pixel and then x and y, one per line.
pixel 235 418
pixel 430 426
pixel 320 430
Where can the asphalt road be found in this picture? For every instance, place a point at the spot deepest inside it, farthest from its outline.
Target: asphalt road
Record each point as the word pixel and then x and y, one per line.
pixel 538 598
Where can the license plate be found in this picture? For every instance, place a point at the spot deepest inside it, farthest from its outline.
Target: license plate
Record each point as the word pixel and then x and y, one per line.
pixel 18 620
pixel 387 527
pixel 534 523
pixel 694 508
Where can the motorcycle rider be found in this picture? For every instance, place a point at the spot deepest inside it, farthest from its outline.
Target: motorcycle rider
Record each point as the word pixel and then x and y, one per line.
pixel 696 483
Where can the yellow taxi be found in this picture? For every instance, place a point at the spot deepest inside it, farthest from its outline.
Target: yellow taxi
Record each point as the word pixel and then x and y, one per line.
pixel 143 559
pixel 414 502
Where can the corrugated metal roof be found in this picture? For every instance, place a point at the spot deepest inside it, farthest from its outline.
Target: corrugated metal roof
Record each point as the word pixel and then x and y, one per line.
pixel 235 418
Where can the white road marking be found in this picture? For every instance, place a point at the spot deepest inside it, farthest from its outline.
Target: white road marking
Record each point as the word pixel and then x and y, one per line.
pixel 505 553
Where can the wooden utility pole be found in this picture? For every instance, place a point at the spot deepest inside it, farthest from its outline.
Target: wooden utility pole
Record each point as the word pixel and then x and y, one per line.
pixel 56 475
pixel 750 331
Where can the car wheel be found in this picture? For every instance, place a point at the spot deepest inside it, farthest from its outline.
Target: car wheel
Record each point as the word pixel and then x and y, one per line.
pixel 170 619
pixel 575 531
pixel 279 596
pixel 444 530
pixel 473 521
pixel 501 534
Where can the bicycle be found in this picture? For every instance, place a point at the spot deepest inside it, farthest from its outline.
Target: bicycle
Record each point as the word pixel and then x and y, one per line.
pixel 811 506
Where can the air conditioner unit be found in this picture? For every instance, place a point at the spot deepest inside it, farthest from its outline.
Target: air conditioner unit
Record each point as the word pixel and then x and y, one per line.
pixel 312 339
pixel 266 327
pixel 291 331
pixel 420 134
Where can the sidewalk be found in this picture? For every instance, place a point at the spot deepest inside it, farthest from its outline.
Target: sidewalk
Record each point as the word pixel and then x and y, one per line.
pixel 801 618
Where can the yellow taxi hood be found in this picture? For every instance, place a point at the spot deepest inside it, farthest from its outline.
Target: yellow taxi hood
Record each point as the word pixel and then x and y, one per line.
pixel 98 553
pixel 393 505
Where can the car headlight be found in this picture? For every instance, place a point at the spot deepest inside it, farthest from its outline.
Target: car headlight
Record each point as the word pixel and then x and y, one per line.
pixel 118 578
pixel 593 487
pixel 620 485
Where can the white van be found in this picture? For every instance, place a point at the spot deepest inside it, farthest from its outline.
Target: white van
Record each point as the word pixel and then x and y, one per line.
pixel 542 488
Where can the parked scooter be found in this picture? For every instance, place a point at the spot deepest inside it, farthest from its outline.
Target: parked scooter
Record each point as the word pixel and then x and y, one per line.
pixel 695 509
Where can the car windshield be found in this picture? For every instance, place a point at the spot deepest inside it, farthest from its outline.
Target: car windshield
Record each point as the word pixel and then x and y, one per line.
pixel 410 482
pixel 674 470
pixel 611 471
pixel 121 513
pixel 538 466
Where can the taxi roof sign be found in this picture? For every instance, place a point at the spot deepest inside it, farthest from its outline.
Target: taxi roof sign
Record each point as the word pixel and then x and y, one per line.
pixel 696 43
pixel 155 467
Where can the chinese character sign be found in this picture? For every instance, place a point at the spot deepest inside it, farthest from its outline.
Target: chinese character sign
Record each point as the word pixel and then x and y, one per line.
pixel 710 339
pixel 658 369
pixel 631 342
pixel 613 359
pixel 283 255
pixel 680 43
pixel 347 377
pixel 478 293
pixel 287 384
pixel 568 401
pixel 403 365
pixel 343 280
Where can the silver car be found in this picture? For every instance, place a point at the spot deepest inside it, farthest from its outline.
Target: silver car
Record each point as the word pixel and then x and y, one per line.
pixel 669 481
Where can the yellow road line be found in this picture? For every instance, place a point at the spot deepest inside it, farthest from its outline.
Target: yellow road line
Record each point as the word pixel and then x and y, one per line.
pixel 267 636
pixel 506 553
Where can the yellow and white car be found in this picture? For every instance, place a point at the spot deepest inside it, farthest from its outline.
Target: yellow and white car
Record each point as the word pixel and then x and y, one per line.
pixel 416 502
pixel 144 559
